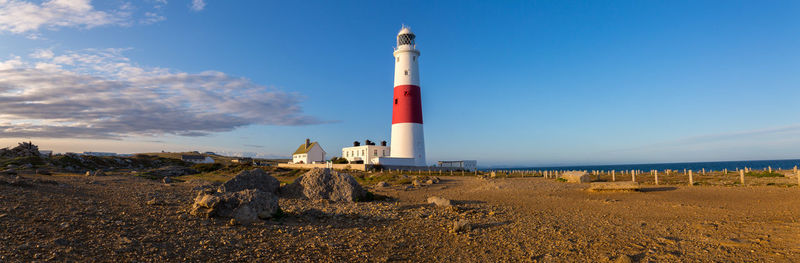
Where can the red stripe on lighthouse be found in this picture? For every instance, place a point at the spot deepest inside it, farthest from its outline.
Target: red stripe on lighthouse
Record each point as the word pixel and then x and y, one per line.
pixel 407 104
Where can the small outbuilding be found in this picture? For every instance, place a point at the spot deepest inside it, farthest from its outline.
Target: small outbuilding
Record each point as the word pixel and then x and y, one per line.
pixel 309 152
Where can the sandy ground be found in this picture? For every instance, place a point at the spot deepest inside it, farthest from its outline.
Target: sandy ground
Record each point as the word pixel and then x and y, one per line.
pixel 77 218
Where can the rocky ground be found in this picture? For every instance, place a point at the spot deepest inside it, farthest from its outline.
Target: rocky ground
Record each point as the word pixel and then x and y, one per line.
pixel 127 218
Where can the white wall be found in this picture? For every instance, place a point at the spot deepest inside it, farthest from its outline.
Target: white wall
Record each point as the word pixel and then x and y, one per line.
pixel 366 153
pixel 316 154
pixel 408 141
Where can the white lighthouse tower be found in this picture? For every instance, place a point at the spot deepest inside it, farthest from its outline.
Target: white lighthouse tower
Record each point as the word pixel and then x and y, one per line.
pixel 408 141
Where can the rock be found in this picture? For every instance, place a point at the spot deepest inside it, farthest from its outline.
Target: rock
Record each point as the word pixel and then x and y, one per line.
pixel 382 185
pixel 245 206
pixel 154 201
pixel 576 177
pixel 416 183
pixel 326 184
pixel 27 166
pixel 98 173
pixel 436 180
pixel 460 226
pixel 430 181
pixel 439 201
pixel 88 173
pixel 166 180
pixel 623 259
pixel 253 179
pixel 626 186
pixel 10 171
pixel 61 242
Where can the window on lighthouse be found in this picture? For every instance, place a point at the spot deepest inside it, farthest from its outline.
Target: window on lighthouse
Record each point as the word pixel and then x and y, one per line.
pixel 406 72
pixel 398 59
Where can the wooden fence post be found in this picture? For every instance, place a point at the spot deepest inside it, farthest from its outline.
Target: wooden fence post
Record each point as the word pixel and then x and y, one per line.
pixel 797 173
pixel 691 180
pixel 656 174
pixel 633 176
pixel 741 177
pixel 613 175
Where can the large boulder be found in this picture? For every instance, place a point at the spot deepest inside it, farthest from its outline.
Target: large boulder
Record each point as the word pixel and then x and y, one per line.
pixel 244 206
pixel 576 177
pixel 438 201
pixel 326 184
pixel 253 179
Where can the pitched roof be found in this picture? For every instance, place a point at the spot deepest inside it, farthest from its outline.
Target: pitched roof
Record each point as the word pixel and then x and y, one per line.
pixel 303 149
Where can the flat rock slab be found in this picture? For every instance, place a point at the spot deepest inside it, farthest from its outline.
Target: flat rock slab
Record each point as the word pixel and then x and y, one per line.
pixel 614 186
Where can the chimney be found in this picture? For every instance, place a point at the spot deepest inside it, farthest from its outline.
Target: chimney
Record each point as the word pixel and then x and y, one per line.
pixel 308 143
pixel 383 143
pixel 356 143
pixel 368 142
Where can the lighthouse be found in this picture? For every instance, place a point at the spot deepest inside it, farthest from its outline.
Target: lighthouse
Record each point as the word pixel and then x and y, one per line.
pixel 407 141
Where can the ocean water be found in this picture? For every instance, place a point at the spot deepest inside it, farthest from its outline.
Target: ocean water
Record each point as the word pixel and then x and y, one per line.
pixel 716 166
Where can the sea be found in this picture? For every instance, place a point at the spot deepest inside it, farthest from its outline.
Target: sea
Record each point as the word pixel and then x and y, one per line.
pixel 696 166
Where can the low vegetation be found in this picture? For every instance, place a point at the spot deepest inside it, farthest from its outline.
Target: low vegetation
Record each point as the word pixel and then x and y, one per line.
pixel 764 174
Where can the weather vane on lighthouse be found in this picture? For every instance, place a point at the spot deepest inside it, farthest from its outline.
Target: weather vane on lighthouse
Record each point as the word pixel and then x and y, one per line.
pixel 407 136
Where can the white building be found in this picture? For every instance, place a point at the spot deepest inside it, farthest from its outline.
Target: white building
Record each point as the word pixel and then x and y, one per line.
pixel 197 159
pixel 366 154
pixel 309 153
pixel 468 165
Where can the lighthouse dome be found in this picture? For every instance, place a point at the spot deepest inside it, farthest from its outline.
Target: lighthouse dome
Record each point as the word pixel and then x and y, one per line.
pixel 405 30
pixel 405 36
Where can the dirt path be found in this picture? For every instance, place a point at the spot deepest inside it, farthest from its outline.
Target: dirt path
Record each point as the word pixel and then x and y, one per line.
pixel 64 218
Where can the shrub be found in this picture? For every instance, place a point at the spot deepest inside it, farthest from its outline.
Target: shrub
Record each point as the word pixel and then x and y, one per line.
pixel 339 160
pixel 207 167
pixel 764 174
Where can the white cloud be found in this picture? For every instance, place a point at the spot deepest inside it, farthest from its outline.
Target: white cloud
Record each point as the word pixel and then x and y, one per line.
pixel 42 54
pixel 28 17
pixel 18 16
pixel 152 18
pixel 101 94
pixel 14 62
pixel 198 5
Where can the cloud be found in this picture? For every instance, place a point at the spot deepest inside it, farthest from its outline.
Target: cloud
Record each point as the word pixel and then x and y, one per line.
pixel 18 16
pixel 152 18
pixel 99 93
pixel 198 5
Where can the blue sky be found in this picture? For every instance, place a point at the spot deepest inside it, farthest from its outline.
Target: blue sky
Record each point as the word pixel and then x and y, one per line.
pixel 510 83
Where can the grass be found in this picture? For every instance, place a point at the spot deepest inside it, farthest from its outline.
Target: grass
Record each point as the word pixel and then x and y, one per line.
pixel 34 160
pixel 763 174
